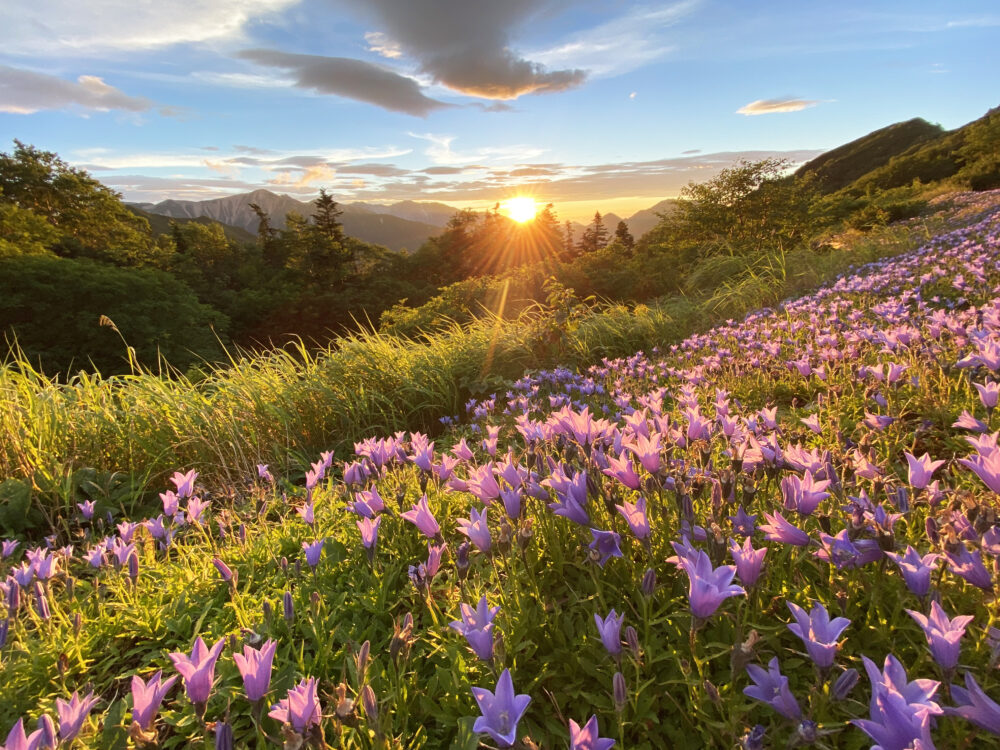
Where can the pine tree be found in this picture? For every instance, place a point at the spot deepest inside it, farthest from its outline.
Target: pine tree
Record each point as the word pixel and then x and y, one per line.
pixel 326 217
pixel 624 236
pixel 595 236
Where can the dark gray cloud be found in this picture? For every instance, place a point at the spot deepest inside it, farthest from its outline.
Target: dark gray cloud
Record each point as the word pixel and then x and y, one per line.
pixel 353 79
pixel 466 44
pixel 25 91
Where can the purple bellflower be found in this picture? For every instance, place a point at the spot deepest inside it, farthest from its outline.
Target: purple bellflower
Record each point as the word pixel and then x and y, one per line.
pixel 610 629
pixel 636 517
pixel 313 552
pixel 147 697
pixel 749 561
pixel 604 546
pixel 975 705
pixel 708 587
pixel 944 634
pixel 777 529
pixel 255 668
pixel 301 709
pixel 501 710
pixel 421 517
pixel 18 740
pixel 588 736
pixel 198 670
pixel 818 632
pixel 916 570
pixel 771 687
pixel 476 530
pixel 72 714
pixel 921 469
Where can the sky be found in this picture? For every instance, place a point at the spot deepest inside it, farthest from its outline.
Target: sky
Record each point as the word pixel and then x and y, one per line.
pixel 607 105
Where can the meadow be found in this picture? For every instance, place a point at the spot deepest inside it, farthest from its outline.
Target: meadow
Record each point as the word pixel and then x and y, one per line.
pixel 780 530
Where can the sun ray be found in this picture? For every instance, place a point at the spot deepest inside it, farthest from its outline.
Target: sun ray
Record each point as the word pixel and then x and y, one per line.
pixel 520 209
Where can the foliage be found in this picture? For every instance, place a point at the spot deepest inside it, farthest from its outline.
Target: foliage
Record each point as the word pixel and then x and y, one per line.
pixel 53 309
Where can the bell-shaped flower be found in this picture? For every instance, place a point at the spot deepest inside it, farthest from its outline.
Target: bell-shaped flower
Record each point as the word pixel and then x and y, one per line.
pixel 944 634
pixel 501 710
pixel 818 632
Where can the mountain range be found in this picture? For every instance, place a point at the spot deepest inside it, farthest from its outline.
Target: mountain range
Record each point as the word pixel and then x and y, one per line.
pixel 406 224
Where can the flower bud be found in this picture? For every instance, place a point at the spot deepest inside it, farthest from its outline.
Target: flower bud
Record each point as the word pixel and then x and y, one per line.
pixel 369 703
pixel 361 661
pixel 268 611
pixel 845 684
pixel 223 736
pixel 288 606
pixel 753 739
pixel 649 582
pixel 632 639
pixel 619 691
pixel 50 736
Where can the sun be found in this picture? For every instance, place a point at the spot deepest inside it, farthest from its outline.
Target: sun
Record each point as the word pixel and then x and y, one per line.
pixel 520 209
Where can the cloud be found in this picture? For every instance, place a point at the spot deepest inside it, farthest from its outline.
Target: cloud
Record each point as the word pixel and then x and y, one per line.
pixel 70 27
pixel 465 45
pixel 303 178
pixel 440 151
pixel 626 43
pixel 23 92
pixel 353 79
pixel 380 44
pixel 770 106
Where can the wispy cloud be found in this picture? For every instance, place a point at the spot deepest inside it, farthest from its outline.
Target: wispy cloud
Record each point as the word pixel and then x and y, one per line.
pixel 71 27
pixel 24 92
pixel 772 106
pixel 631 41
pixel 440 151
pixel 354 79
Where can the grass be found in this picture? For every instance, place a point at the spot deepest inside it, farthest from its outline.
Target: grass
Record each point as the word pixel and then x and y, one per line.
pixel 119 437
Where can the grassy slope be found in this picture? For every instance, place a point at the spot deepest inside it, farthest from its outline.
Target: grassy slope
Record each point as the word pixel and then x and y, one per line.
pixel 547 595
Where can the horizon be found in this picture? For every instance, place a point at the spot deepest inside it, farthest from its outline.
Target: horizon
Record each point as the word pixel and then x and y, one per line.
pixel 572 103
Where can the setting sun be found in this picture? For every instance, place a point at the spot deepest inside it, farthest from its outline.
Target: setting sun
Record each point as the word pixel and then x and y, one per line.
pixel 520 209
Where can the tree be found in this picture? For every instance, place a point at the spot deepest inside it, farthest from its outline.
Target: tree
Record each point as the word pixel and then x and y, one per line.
pixel 274 252
pixel 747 209
pixel 24 232
pixel 569 243
pixel 90 218
pixel 624 236
pixel 595 236
pixel 326 217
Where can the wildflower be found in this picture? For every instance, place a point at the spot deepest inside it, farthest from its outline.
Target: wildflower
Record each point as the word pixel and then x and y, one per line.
pixel 434 553
pixel 198 670
pixel 255 668
pixel 477 627
pixel 7 548
pixel 921 469
pixel 916 570
pixel 986 465
pixel 777 529
pixel 944 634
pixel 195 507
pixel 743 524
pixel 313 552
pixel 421 517
pixel 307 512
pixel 476 530
pixel 619 691
pixel 500 710
pixel 818 632
pixel 973 704
pixel 86 509
pixel 803 495
pixel 708 587
pixel 610 629
pixel 184 482
pixel 73 714
pixel 622 469
pixel 223 735
pixel 588 737
pixel 146 698
pixel 771 687
pixel 748 560
pixel 604 546
pixel 635 515
pixel 969 565
pixel 17 740
pixel 301 709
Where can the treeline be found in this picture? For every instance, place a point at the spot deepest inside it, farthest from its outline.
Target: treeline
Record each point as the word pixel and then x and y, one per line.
pixel 85 283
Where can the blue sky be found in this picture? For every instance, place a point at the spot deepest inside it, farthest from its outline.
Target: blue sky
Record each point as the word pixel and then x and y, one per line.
pixel 610 105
